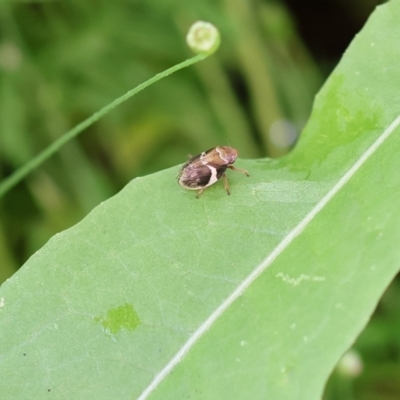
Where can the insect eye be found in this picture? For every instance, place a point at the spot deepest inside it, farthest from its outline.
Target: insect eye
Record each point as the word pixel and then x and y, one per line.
pixel 232 158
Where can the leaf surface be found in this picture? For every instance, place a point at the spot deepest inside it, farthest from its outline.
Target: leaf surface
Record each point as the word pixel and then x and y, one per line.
pixel 253 295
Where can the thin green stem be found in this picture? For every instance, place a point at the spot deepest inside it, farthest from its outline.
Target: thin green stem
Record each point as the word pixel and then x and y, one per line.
pixel 27 168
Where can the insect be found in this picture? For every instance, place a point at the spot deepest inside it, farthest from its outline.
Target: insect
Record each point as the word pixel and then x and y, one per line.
pixel 205 169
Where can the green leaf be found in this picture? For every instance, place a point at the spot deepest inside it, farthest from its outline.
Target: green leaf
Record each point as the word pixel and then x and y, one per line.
pixel 253 295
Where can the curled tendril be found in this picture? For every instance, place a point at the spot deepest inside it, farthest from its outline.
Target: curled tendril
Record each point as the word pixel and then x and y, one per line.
pixel 203 38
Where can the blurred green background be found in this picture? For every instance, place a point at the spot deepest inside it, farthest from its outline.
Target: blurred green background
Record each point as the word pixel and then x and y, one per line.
pixel 60 61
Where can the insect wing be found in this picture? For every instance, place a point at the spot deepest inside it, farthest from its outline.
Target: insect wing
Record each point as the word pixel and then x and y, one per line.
pixel 195 176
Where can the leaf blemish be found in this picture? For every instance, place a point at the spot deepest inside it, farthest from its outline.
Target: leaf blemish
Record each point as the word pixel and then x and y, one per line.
pixel 123 317
pixel 296 281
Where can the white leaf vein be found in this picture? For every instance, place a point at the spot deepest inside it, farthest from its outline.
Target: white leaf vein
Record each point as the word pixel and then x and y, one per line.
pixel 286 241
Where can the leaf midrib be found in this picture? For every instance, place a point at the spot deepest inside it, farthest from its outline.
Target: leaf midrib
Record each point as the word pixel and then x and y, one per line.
pixel 285 242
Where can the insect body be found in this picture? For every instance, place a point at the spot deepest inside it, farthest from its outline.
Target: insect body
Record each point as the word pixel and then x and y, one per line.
pixel 206 168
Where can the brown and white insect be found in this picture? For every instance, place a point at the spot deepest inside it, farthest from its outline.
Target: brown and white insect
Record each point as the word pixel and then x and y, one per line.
pixel 206 168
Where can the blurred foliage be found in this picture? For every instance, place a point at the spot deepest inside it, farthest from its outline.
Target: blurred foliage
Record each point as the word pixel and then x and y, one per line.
pixel 60 61
pixel 379 348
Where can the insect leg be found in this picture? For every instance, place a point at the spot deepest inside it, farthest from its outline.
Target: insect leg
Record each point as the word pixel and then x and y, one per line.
pixel 199 193
pixel 226 183
pixel 243 171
